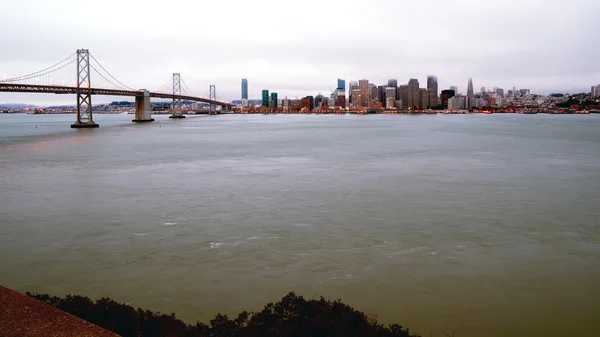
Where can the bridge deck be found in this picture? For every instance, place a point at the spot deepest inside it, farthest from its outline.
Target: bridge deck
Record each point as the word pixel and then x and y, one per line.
pixel 9 87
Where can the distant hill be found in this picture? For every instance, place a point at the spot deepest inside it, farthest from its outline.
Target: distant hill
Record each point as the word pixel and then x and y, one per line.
pixel 16 106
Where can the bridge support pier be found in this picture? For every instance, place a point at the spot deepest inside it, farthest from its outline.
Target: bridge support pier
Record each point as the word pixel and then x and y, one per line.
pixel 143 111
pixel 84 94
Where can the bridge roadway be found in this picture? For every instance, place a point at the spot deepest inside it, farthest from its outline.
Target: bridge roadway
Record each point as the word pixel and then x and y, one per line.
pixel 9 87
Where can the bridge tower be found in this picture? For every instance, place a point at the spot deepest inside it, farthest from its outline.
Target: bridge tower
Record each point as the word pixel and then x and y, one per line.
pixel 212 95
pixel 84 92
pixel 176 106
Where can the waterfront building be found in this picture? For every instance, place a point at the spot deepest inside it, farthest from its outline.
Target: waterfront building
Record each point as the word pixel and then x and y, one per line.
pixel 274 99
pixel 341 85
pixel 311 100
pixel 381 97
pixel 319 100
pixel 432 86
pixel 445 97
pixel 500 92
pixel 424 98
pixel 363 85
pixel 390 92
pixel 455 89
pixel 341 101
pixel 353 86
pixel 244 89
pixel 403 94
pixel 356 98
pixel 470 88
pixel 413 93
pixel 265 98
pixel 373 92
pixel 389 102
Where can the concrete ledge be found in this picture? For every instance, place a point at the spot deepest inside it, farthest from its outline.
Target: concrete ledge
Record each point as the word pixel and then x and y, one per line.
pixel 23 316
pixel 84 126
pixel 143 120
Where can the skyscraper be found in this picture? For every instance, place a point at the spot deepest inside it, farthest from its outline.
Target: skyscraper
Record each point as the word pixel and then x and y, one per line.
pixel 432 86
pixel 363 86
pixel 244 88
pixel 413 93
pixel 341 84
pixel 392 83
pixel 446 95
pixel 455 89
pixel 351 87
pixel 381 90
pixel 482 90
pixel 424 98
pixel 372 91
pixel 403 94
pixel 390 92
pixel 274 99
pixel 265 98
pixel 470 88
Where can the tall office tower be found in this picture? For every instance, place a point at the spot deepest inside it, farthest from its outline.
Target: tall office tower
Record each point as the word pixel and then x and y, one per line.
pixel 372 91
pixel 432 86
pixel 424 98
pixel 341 84
pixel 341 101
pixel 351 87
pixel 445 96
pixel 244 88
pixel 455 89
pixel 319 100
pixel 500 92
pixel 594 91
pixel 381 93
pixel 482 91
pixel 413 93
pixel 274 99
pixel 390 92
pixel 392 83
pixel 265 98
pixel 470 88
pixel 356 98
pixel 515 91
pixel 363 85
pixel 403 93
pixel 244 92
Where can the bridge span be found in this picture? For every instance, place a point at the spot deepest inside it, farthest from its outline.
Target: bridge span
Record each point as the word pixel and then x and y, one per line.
pixel 84 90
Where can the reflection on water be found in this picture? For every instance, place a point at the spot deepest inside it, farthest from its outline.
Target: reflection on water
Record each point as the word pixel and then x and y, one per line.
pixel 481 225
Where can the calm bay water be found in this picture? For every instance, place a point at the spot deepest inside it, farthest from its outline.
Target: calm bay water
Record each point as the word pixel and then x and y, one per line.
pixel 485 225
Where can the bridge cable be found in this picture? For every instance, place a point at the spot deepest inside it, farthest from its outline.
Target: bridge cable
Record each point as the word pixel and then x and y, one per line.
pixel 28 76
pixel 109 74
pixel 186 87
pixel 109 81
pixel 24 78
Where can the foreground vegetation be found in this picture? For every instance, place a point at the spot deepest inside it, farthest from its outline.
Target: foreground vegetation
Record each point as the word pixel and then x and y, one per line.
pixel 292 316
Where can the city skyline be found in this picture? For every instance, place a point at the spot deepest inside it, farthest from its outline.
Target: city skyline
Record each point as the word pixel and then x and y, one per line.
pixel 512 44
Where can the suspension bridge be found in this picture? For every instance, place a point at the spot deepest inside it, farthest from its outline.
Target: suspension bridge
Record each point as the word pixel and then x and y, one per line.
pixel 73 76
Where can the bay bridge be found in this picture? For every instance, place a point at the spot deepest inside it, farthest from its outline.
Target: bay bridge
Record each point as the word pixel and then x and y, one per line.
pixel 73 75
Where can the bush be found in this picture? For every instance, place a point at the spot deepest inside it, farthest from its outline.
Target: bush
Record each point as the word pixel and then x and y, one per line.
pixel 292 316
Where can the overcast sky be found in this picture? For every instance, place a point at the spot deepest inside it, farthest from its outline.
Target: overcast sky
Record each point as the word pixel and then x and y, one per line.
pixel 302 47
